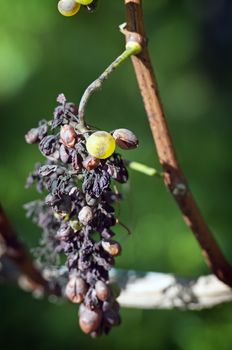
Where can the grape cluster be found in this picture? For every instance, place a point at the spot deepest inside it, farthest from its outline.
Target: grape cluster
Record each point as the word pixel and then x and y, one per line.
pixel 77 214
pixel 69 8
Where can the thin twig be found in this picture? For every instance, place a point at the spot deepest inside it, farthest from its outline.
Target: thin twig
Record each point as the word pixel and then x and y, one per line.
pixel 97 84
pixel 173 175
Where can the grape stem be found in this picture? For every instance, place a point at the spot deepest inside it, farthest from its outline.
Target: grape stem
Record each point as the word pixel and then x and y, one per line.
pixel 97 84
pixel 173 176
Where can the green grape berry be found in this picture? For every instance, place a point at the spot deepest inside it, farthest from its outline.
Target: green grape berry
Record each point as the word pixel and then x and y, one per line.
pixel 84 2
pixel 68 7
pixel 101 144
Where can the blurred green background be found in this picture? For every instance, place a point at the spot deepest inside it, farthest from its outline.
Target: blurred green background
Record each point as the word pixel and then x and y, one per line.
pixel 43 54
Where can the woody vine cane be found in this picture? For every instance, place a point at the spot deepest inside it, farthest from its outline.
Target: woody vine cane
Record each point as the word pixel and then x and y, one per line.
pixel 173 176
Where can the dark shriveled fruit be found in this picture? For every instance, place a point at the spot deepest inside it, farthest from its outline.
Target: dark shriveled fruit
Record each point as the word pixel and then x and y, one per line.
pixel 90 320
pixel 102 290
pixel 112 247
pixel 85 215
pixel 112 317
pixel 68 136
pixel 64 155
pixel 125 139
pixel 32 136
pixel 76 289
pixel 91 163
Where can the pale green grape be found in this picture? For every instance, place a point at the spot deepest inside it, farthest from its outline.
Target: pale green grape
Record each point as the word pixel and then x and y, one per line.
pixel 101 144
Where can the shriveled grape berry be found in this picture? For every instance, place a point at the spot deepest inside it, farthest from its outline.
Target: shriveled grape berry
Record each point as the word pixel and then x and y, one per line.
pixel 111 247
pixel 85 215
pixel 112 317
pixel 102 290
pixel 125 139
pixel 65 232
pixel 91 163
pixel 76 289
pixel 68 136
pixel 64 154
pixel 32 136
pixel 90 320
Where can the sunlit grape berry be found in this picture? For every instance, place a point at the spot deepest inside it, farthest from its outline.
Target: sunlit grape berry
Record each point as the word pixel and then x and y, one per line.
pixel 68 7
pixel 84 2
pixel 101 144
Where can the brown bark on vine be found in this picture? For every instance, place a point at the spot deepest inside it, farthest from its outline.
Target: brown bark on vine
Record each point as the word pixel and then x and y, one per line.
pixel 174 178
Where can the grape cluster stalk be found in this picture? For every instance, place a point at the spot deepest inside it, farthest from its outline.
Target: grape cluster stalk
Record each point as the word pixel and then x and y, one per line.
pixel 77 215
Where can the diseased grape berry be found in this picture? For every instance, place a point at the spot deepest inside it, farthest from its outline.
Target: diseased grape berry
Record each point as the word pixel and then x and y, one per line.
pixel 125 139
pixel 85 215
pixel 90 320
pixel 64 154
pixel 101 145
pixel 111 247
pixel 76 289
pixel 68 7
pixel 102 291
pixel 112 317
pixel 32 136
pixel 65 232
pixel 68 136
pixel 77 214
pixel 91 163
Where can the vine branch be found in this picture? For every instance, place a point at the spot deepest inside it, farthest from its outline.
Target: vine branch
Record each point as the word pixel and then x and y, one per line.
pixel 13 250
pixel 174 178
pixel 153 290
pixel 97 84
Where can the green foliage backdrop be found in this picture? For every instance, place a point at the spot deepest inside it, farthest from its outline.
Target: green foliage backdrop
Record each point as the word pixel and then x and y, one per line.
pixel 43 54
